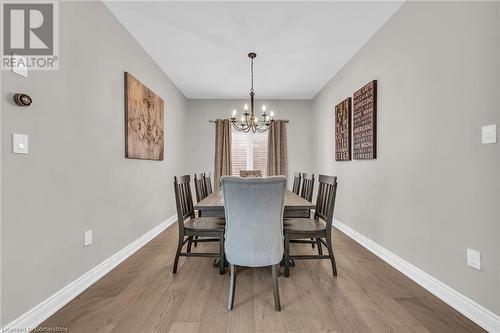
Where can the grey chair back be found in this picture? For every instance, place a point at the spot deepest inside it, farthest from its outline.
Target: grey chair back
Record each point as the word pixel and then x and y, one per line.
pixel 254 220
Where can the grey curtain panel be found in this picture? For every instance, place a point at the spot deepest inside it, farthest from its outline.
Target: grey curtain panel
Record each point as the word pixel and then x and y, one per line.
pixel 277 161
pixel 222 165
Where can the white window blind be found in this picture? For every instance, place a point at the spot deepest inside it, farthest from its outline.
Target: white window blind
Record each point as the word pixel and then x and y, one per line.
pixel 248 152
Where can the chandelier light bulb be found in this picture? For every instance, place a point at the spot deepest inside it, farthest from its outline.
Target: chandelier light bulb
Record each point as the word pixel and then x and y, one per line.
pixel 242 119
pixel 234 114
pixel 263 108
pixel 246 107
pixel 271 114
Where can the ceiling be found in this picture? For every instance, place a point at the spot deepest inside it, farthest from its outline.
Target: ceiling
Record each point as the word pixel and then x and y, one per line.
pixel 300 46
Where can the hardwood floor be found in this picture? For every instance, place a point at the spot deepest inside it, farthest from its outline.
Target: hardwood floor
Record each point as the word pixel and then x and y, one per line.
pixel 142 295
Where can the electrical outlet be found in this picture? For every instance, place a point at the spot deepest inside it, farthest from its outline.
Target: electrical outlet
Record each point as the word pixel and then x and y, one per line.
pixel 474 259
pixel 88 238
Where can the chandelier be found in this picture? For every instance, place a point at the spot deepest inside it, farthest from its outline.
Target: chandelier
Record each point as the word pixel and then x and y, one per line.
pixel 249 121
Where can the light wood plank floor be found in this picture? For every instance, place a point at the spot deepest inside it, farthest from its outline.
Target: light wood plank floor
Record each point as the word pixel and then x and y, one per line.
pixel 142 295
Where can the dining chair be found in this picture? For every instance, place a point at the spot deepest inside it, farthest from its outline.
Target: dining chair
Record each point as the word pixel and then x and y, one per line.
pixel 191 226
pixel 250 173
pixel 306 191
pixel 302 230
pixel 296 183
pixel 254 226
pixel 200 187
pixel 208 185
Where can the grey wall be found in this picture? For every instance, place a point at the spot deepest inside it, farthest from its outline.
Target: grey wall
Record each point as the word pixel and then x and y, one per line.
pixel 434 189
pixel 75 177
pixel 432 192
pixel 201 141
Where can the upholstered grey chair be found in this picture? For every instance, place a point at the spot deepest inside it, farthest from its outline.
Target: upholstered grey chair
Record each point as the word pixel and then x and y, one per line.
pixel 254 226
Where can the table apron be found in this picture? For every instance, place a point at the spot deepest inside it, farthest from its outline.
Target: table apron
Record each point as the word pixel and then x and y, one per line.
pixel 288 213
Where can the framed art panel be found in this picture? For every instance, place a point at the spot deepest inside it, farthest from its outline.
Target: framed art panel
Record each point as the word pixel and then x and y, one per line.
pixel 143 121
pixel 343 130
pixel 365 122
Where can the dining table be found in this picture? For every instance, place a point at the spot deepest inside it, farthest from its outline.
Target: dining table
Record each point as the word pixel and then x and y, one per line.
pixel 295 206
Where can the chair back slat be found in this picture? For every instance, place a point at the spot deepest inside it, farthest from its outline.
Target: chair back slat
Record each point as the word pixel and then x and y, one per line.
pixel 200 187
pixel 307 186
pixel 296 183
pixel 183 197
pixel 325 201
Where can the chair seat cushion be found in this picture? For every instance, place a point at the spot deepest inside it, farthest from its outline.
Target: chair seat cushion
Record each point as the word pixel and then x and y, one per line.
pixel 205 224
pixel 303 225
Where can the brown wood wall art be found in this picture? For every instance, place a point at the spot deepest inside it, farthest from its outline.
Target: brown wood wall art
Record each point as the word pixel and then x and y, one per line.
pixel 365 122
pixel 143 121
pixel 343 130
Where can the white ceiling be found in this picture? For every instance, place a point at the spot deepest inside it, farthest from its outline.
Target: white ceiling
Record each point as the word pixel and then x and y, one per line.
pixel 300 46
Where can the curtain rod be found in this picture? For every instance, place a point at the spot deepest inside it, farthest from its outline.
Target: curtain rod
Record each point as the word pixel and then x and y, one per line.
pixel 283 120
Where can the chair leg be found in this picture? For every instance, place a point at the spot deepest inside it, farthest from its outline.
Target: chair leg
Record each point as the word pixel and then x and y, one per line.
pixel 190 242
pixel 330 253
pixel 232 286
pixel 221 255
pixel 195 241
pixel 276 289
pixel 287 254
pixel 312 245
pixel 177 254
pixel 320 248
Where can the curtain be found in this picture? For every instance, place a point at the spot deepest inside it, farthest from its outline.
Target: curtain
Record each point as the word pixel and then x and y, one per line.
pixel 222 150
pixel 277 162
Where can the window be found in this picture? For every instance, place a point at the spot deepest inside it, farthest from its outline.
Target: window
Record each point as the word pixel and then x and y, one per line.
pixel 248 151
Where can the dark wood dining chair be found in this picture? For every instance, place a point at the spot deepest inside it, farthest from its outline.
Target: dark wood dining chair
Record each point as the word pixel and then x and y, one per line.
pixel 296 183
pixel 200 187
pixel 190 226
pixel 306 191
pixel 208 183
pixel 250 173
pixel 302 230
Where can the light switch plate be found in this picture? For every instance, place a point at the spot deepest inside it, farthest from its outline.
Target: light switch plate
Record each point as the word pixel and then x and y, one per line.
pixel 474 259
pixel 88 238
pixel 19 143
pixel 21 69
pixel 489 134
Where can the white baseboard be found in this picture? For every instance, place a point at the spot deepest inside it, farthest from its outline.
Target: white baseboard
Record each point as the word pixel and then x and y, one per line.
pixel 475 312
pixel 48 307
